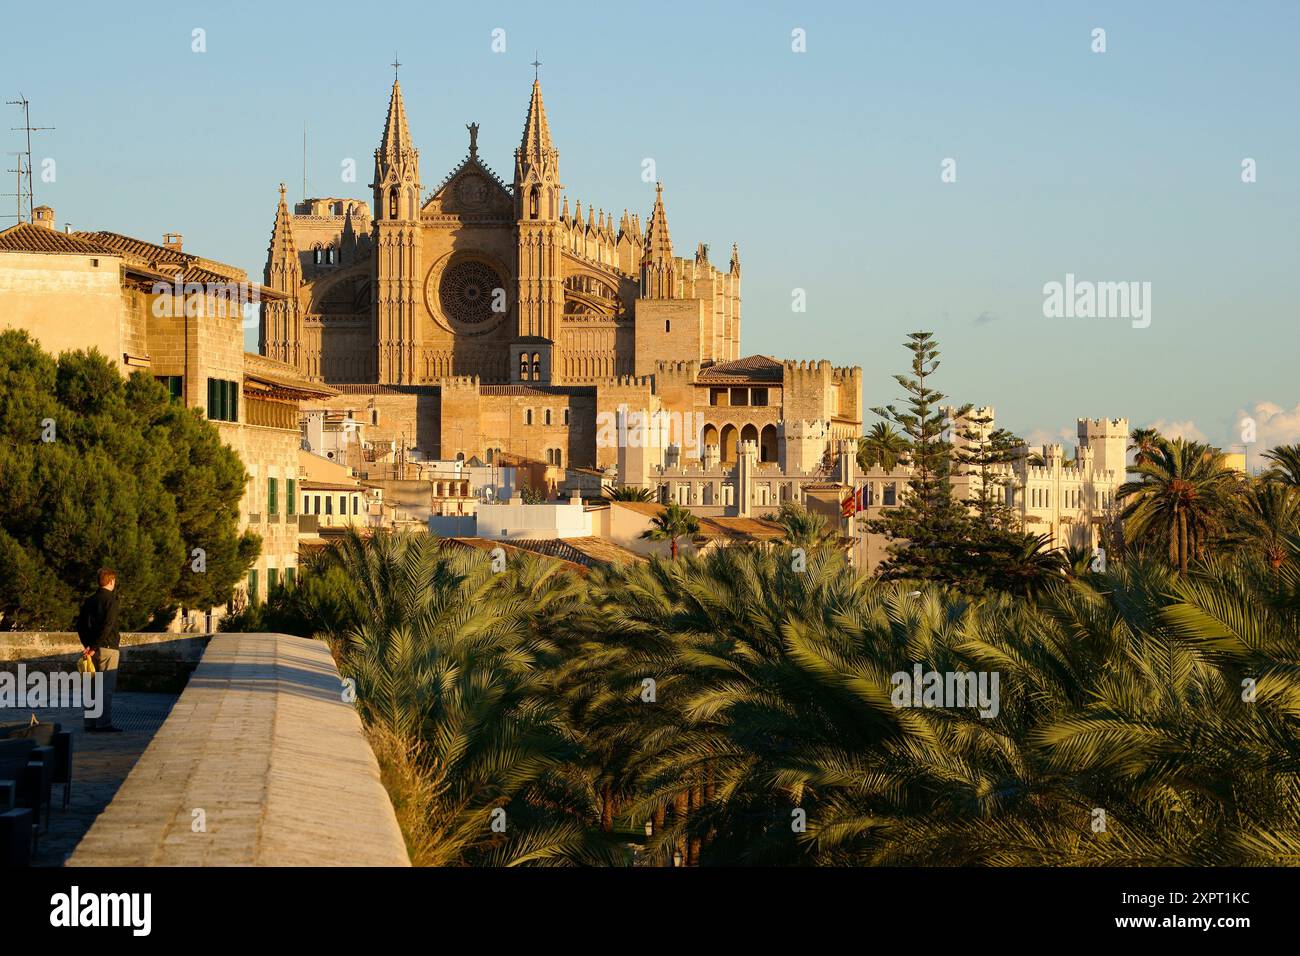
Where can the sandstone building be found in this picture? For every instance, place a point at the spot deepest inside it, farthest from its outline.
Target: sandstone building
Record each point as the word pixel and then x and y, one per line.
pixel 484 316
pixel 157 309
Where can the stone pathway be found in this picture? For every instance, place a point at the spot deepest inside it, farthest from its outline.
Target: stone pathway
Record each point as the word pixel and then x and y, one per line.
pixel 260 762
pixel 100 763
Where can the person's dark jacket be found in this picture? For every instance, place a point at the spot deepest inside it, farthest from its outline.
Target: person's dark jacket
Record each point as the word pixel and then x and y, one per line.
pixel 97 622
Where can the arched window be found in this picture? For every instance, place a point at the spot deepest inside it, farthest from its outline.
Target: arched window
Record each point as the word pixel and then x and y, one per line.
pixel 316 255
pixel 537 366
pixel 559 457
pixel 566 416
pixel 392 203
pixel 534 202
pixel 528 416
pixel 550 457
pixel 546 417
pixel 523 366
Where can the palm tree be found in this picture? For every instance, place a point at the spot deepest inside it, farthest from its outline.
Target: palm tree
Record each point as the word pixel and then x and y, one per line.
pixel 452 680
pixel 1183 499
pixel 629 493
pixel 803 528
pixel 1270 514
pixel 1286 464
pixel 1144 441
pixel 883 446
pixel 670 524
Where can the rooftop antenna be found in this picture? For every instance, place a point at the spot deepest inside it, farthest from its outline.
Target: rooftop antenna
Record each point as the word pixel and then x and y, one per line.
pixel 27 128
pixel 19 193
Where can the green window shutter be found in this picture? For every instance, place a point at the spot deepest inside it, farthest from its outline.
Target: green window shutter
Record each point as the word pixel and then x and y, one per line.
pixel 272 580
pixel 252 586
pixel 291 498
pixel 212 399
pixel 271 494
pixel 290 575
pixel 234 401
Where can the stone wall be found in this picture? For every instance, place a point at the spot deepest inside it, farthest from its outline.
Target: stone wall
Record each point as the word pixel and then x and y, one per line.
pixel 150 661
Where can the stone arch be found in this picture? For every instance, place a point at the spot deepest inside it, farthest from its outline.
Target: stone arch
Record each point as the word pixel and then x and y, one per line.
pixel 749 433
pixel 767 449
pixel 728 442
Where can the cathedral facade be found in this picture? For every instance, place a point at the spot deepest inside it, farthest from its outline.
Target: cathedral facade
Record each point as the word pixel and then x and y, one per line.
pixel 484 316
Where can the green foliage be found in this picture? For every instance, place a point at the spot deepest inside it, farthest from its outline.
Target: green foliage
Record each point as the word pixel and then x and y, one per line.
pixel 714 696
pixel 628 493
pixel 882 447
pixel 670 524
pixel 131 481
pixel 1184 498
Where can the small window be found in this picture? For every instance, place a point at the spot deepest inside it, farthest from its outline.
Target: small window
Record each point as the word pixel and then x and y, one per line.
pixel 290 574
pixel 537 367
pixel 272 496
pixel 329 505
pixel 252 586
pixel 343 504
pixel 523 366
pixel 318 504
pixel 528 416
pixel 890 496
pixel 356 504
pixel 566 416
pixel 559 457
pixel 546 416
pixel 668 325
pixel 290 498
pixel 272 579
pixel 758 396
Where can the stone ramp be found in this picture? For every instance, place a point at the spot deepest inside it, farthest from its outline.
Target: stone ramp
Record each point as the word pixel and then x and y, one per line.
pixel 262 743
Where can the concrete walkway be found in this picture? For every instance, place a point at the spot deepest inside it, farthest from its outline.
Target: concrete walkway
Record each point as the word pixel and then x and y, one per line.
pixel 100 762
pixel 259 763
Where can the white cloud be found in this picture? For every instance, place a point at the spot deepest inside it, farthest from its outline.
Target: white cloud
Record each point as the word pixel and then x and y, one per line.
pixel 1187 430
pixel 1064 436
pixel 1274 425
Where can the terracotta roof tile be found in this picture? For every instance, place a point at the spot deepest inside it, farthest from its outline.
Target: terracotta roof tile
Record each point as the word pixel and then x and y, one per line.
pixel 27 237
pixel 751 368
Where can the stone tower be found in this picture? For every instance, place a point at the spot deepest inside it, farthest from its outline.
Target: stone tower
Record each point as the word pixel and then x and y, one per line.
pixel 281 332
pixel 398 255
pixel 540 283
pixel 1108 439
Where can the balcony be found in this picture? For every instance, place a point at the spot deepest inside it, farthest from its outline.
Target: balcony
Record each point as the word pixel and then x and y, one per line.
pixel 308 524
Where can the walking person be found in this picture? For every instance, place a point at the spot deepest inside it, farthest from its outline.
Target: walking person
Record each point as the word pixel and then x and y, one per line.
pixel 97 628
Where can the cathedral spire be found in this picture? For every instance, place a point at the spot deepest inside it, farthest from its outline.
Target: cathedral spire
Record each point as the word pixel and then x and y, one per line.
pixel 536 146
pixel 283 250
pixel 658 244
pixel 397 136
pixel 735 259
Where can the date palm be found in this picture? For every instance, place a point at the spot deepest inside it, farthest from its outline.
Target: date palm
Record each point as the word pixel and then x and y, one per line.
pixel 1286 464
pixel 1183 499
pixel 881 447
pixel 1144 441
pixel 670 524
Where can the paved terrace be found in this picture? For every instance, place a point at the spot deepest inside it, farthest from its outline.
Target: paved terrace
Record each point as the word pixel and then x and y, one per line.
pixel 261 741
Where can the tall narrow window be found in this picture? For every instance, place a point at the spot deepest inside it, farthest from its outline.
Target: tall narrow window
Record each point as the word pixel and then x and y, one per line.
pixel 537 367
pixel 523 366
pixel 290 499
pixel 392 204
pixel 272 496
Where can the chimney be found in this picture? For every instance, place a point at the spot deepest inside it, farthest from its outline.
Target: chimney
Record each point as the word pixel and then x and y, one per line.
pixel 172 240
pixel 43 216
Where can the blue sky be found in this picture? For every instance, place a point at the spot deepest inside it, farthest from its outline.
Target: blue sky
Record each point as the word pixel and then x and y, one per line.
pixel 823 165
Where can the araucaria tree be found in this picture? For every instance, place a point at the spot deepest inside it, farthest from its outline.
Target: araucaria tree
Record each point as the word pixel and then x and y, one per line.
pixel 929 531
pixel 99 471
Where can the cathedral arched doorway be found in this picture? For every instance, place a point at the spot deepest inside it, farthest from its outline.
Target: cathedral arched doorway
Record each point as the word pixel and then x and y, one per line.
pixel 767 444
pixel 728 443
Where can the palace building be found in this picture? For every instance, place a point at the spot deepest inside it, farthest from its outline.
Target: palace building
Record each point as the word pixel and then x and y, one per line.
pixel 486 316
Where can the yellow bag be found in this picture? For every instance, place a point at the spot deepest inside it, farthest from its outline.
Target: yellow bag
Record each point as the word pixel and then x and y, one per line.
pixel 86 664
